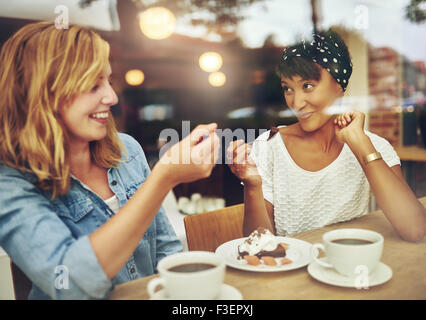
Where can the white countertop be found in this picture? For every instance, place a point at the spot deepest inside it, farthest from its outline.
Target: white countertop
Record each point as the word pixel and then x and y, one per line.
pixel 2 253
pixel 176 220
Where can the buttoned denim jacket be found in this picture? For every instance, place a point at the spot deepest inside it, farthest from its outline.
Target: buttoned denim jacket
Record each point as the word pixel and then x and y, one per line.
pixel 48 240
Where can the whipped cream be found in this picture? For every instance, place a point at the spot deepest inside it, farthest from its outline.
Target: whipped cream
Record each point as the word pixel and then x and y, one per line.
pixel 260 239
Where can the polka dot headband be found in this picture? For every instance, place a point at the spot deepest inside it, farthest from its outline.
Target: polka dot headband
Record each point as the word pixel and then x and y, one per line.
pixel 327 50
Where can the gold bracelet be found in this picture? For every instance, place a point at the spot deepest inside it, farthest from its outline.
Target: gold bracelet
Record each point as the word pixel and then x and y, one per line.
pixel 371 157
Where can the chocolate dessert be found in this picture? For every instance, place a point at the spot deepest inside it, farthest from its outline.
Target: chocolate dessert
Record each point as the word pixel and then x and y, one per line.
pixel 261 243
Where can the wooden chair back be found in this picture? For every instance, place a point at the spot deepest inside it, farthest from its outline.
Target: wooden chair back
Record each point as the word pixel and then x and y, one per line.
pixel 207 231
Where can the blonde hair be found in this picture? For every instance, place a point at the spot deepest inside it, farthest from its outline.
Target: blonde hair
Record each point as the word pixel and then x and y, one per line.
pixel 43 68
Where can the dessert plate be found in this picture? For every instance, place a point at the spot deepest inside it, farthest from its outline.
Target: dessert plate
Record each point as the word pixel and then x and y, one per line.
pixel 298 251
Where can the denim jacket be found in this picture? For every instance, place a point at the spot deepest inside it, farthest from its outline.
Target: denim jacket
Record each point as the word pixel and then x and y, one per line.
pixel 48 240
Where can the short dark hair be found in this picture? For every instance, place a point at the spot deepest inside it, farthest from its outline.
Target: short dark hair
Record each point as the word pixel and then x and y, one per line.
pixel 306 69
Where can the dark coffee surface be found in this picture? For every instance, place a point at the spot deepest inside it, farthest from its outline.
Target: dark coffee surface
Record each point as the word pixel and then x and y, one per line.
pixel 352 241
pixel 191 267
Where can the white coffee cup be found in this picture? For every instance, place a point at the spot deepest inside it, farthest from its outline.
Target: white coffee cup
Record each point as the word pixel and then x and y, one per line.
pixel 347 255
pixel 193 285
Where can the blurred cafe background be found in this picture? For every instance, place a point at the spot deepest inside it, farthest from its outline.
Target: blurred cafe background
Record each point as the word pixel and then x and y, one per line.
pixel 214 61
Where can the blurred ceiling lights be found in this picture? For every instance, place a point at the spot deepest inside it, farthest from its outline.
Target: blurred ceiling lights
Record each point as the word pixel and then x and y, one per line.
pixel 157 23
pixel 135 77
pixel 217 79
pixel 210 61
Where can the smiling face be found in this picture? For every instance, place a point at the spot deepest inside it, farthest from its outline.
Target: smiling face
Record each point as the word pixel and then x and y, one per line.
pixel 86 117
pixel 309 99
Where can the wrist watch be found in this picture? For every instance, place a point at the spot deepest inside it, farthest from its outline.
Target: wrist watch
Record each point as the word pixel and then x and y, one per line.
pixel 371 157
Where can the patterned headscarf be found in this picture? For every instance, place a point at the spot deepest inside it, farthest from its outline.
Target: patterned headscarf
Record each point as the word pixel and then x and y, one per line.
pixel 329 51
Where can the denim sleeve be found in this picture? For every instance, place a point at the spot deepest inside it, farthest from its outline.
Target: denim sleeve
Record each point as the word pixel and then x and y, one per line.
pixel 43 247
pixel 134 149
pixel 167 242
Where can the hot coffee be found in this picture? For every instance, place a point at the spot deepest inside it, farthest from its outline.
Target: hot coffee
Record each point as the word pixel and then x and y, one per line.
pixel 347 249
pixel 191 267
pixel 352 241
pixel 189 275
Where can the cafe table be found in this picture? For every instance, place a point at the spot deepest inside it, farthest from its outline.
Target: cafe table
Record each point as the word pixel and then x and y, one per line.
pixel 406 259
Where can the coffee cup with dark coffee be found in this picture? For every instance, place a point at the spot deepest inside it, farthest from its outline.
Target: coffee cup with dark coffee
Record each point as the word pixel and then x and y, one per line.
pixel 349 249
pixel 194 275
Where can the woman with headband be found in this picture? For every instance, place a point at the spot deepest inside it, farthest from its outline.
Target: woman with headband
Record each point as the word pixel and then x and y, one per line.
pixel 80 209
pixel 321 169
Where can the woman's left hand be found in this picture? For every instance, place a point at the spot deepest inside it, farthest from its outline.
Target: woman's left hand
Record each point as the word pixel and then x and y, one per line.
pixel 349 126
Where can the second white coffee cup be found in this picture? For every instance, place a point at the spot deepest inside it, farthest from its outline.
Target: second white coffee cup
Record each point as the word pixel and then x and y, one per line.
pixel 348 250
pixel 193 275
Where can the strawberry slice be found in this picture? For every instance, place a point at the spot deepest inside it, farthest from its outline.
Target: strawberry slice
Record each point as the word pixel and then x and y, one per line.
pixel 285 261
pixel 269 261
pixel 252 260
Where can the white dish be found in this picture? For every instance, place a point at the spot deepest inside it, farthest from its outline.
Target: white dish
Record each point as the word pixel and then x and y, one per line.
pixel 227 293
pixel 298 251
pixel 380 275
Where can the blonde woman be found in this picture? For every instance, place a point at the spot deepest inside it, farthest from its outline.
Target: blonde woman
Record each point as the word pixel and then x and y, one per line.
pixel 77 199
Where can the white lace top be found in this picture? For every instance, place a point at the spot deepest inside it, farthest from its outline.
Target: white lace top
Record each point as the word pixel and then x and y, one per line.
pixel 305 200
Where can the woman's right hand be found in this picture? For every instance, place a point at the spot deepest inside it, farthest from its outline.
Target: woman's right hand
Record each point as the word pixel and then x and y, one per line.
pixel 193 157
pixel 241 164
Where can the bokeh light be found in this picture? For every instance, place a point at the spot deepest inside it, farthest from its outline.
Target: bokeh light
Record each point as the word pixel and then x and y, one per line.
pixel 210 61
pixel 217 79
pixel 135 77
pixel 157 23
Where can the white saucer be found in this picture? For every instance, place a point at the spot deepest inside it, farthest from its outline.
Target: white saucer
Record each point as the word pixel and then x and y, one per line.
pixel 382 274
pixel 227 293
